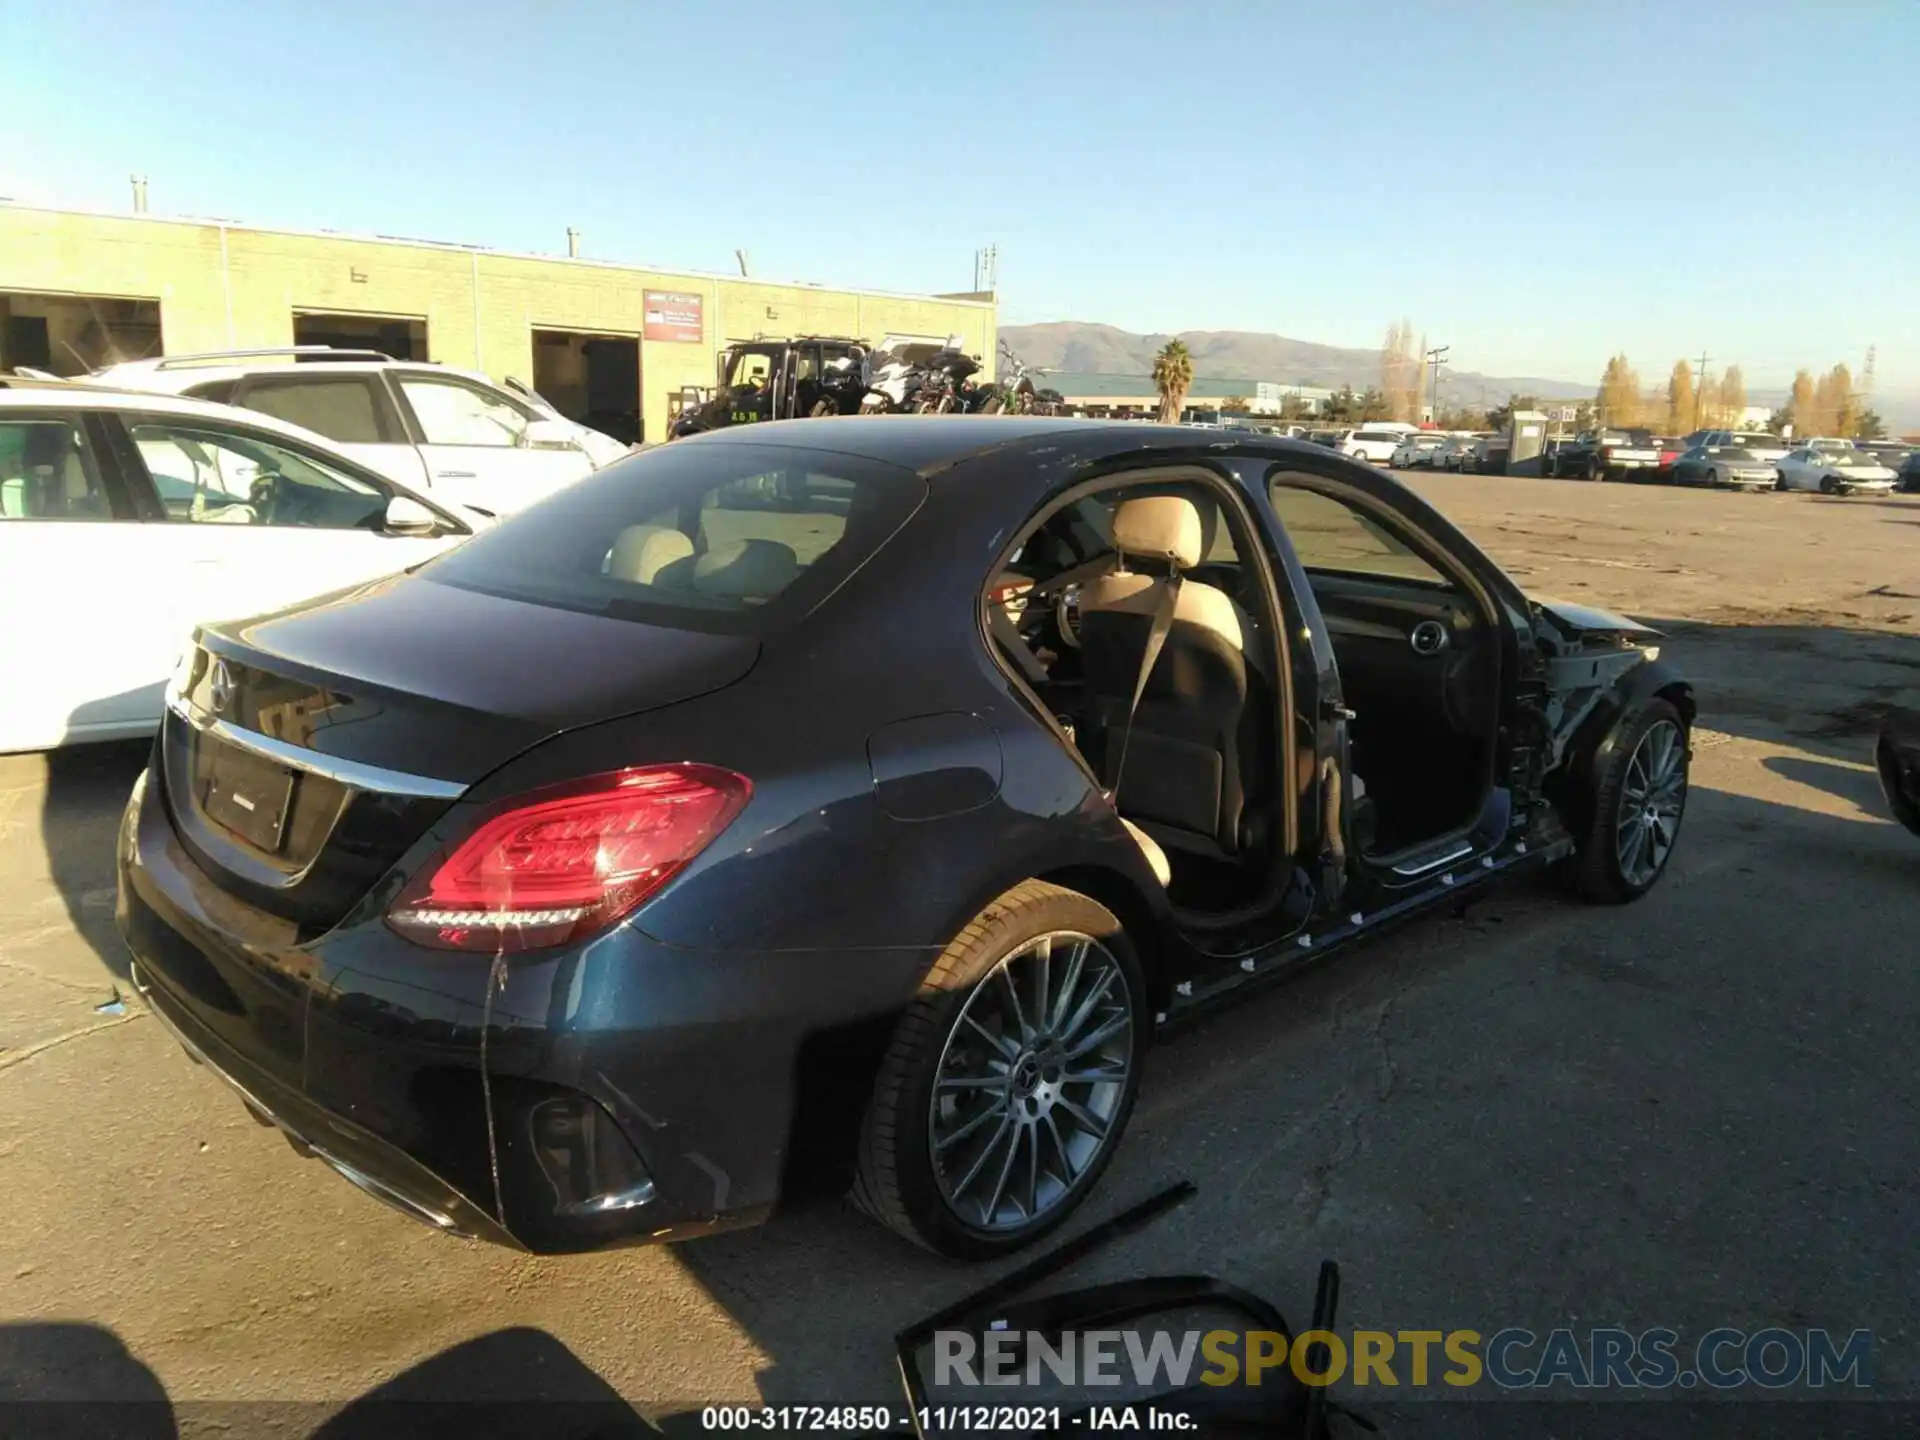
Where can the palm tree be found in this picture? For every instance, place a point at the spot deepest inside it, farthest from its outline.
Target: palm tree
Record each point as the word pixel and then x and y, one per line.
pixel 1173 377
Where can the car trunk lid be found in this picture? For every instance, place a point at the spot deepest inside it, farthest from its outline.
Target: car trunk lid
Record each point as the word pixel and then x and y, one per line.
pixel 304 752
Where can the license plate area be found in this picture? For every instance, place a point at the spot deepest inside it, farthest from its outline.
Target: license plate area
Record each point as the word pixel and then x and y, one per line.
pixel 245 794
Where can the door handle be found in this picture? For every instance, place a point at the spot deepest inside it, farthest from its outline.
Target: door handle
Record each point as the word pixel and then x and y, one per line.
pixel 454 475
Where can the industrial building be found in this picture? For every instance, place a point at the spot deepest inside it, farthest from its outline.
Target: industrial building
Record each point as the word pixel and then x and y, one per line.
pixel 611 344
pixel 1136 396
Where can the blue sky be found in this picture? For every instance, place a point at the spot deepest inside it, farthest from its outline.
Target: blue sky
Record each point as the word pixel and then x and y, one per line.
pixel 1537 183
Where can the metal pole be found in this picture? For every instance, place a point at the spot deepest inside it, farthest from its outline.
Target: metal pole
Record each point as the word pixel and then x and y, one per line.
pixel 1699 389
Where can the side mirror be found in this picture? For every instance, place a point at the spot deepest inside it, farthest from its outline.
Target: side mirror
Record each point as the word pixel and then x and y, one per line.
pixel 407 516
pixel 545 434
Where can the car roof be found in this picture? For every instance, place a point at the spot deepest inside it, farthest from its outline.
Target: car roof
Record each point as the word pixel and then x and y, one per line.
pixel 929 444
pixel 159 376
pixel 91 395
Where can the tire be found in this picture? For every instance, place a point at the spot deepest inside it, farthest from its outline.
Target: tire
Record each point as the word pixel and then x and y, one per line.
pixel 1607 866
pixel 822 407
pixel 993 406
pixel 961 1208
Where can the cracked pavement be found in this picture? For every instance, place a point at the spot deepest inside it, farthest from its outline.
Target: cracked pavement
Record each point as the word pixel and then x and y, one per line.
pixel 1695 1111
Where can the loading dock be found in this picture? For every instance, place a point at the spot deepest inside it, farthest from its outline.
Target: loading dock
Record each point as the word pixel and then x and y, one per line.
pixel 72 334
pixel 593 378
pixel 404 337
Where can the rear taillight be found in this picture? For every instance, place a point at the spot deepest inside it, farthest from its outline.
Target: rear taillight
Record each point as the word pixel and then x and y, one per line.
pixel 567 861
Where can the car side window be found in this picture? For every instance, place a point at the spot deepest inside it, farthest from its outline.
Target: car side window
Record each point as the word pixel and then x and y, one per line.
pixel 340 407
pixel 47 472
pixel 1331 535
pixel 452 413
pixel 206 474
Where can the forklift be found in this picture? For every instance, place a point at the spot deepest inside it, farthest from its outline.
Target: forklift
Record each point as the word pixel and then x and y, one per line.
pixel 770 379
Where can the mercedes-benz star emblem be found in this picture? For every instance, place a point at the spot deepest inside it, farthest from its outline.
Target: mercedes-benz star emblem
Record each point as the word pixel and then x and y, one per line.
pixel 220 685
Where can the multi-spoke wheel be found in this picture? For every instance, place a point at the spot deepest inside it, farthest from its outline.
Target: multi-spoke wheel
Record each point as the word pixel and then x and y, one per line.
pixel 1638 801
pixel 1009 1079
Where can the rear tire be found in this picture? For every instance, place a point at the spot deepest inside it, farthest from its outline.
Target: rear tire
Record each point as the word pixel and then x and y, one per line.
pixel 976 1089
pixel 1644 773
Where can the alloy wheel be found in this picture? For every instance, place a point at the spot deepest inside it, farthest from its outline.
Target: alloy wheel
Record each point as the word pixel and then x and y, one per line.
pixel 1031 1081
pixel 1652 798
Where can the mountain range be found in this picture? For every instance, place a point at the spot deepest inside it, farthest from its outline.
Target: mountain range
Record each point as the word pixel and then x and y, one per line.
pixel 1082 348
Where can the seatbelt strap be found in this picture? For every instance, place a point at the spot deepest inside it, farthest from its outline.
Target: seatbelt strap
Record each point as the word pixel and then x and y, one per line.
pixel 1163 610
pixel 1076 575
pixel 1011 641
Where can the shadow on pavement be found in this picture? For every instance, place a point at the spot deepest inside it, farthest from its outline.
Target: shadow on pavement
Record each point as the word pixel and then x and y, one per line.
pixel 63 1380
pixel 86 789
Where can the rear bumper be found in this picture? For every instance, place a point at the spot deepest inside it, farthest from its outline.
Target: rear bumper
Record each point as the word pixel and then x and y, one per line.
pixel 618 1092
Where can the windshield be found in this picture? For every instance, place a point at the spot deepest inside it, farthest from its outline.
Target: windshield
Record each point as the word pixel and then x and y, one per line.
pixel 731 538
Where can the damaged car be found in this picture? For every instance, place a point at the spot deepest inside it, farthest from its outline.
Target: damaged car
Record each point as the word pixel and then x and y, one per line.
pixel 863 794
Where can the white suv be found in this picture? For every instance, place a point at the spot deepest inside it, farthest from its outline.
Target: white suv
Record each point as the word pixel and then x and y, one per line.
pixel 127 518
pixel 452 434
pixel 1376 442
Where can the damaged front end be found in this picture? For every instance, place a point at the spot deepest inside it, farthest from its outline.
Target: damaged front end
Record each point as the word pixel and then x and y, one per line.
pixel 1595 661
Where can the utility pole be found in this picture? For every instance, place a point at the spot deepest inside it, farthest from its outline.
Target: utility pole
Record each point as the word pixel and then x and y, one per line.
pixel 1699 389
pixel 1437 357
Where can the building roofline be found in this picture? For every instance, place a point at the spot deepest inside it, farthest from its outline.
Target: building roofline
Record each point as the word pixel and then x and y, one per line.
pixel 460 248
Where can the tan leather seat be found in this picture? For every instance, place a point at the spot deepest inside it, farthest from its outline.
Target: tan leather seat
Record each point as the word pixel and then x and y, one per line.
pixel 1195 754
pixel 641 552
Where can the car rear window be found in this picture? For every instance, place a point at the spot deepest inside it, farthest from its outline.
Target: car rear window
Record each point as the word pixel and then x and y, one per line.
pixel 340 407
pixel 703 536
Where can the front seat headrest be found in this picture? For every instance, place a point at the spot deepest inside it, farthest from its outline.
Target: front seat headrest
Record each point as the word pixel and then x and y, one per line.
pixel 1161 527
pixel 642 551
pixel 746 570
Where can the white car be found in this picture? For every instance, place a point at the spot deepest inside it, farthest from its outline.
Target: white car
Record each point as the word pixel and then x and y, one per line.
pixel 1423 447
pixel 126 519
pixel 1834 472
pixel 450 434
pixel 1826 443
pixel 1757 443
pixel 1375 443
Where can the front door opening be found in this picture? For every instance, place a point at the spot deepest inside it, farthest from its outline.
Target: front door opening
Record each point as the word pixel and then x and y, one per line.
pixel 401 337
pixel 1194 760
pixel 73 334
pixel 594 379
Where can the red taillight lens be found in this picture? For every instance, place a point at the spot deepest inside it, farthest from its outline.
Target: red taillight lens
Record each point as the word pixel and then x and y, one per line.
pixel 564 862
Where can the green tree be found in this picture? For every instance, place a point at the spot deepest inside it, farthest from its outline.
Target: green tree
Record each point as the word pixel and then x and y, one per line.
pixel 1501 416
pixel 1172 377
pixel 1374 405
pixel 1682 408
pixel 1295 407
pixel 1341 405
pixel 1235 404
pixel 1869 426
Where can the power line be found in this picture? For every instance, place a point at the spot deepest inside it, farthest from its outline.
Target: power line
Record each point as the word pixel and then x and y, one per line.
pixel 1699 388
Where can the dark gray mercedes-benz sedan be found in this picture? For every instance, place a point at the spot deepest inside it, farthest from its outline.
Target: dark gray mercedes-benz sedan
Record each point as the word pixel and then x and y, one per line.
pixel 850 801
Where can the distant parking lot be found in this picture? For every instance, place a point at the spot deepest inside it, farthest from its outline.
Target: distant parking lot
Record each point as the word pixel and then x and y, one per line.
pixel 1697 1111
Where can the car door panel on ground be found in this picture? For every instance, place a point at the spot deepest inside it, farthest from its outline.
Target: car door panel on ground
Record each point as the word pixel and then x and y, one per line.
pixel 474 444
pixel 73 552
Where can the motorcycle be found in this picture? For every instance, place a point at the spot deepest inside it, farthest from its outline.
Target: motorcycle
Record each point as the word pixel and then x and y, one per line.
pixel 1012 396
pixel 917 378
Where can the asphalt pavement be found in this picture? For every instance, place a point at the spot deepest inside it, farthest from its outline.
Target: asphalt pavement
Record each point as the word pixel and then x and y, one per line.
pixel 1692 1112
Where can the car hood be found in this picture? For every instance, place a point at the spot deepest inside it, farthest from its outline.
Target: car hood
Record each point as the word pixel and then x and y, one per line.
pixel 1589 620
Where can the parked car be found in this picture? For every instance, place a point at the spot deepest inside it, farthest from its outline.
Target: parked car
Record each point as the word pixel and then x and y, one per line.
pixel 1417 450
pixel 1670 449
pixel 1488 456
pixel 1454 452
pixel 1827 444
pixel 1834 472
pixel 1605 454
pixel 451 434
pixel 1758 443
pixel 1329 438
pixel 1375 443
pixel 1896 758
pixel 126 518
pixel 1909 474
pixel 1891 453
pixel 1725 465
pixel 871 791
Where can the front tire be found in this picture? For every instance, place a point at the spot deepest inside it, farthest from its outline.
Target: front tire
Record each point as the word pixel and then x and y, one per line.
pixel 1639 801
pixel 1010 1078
